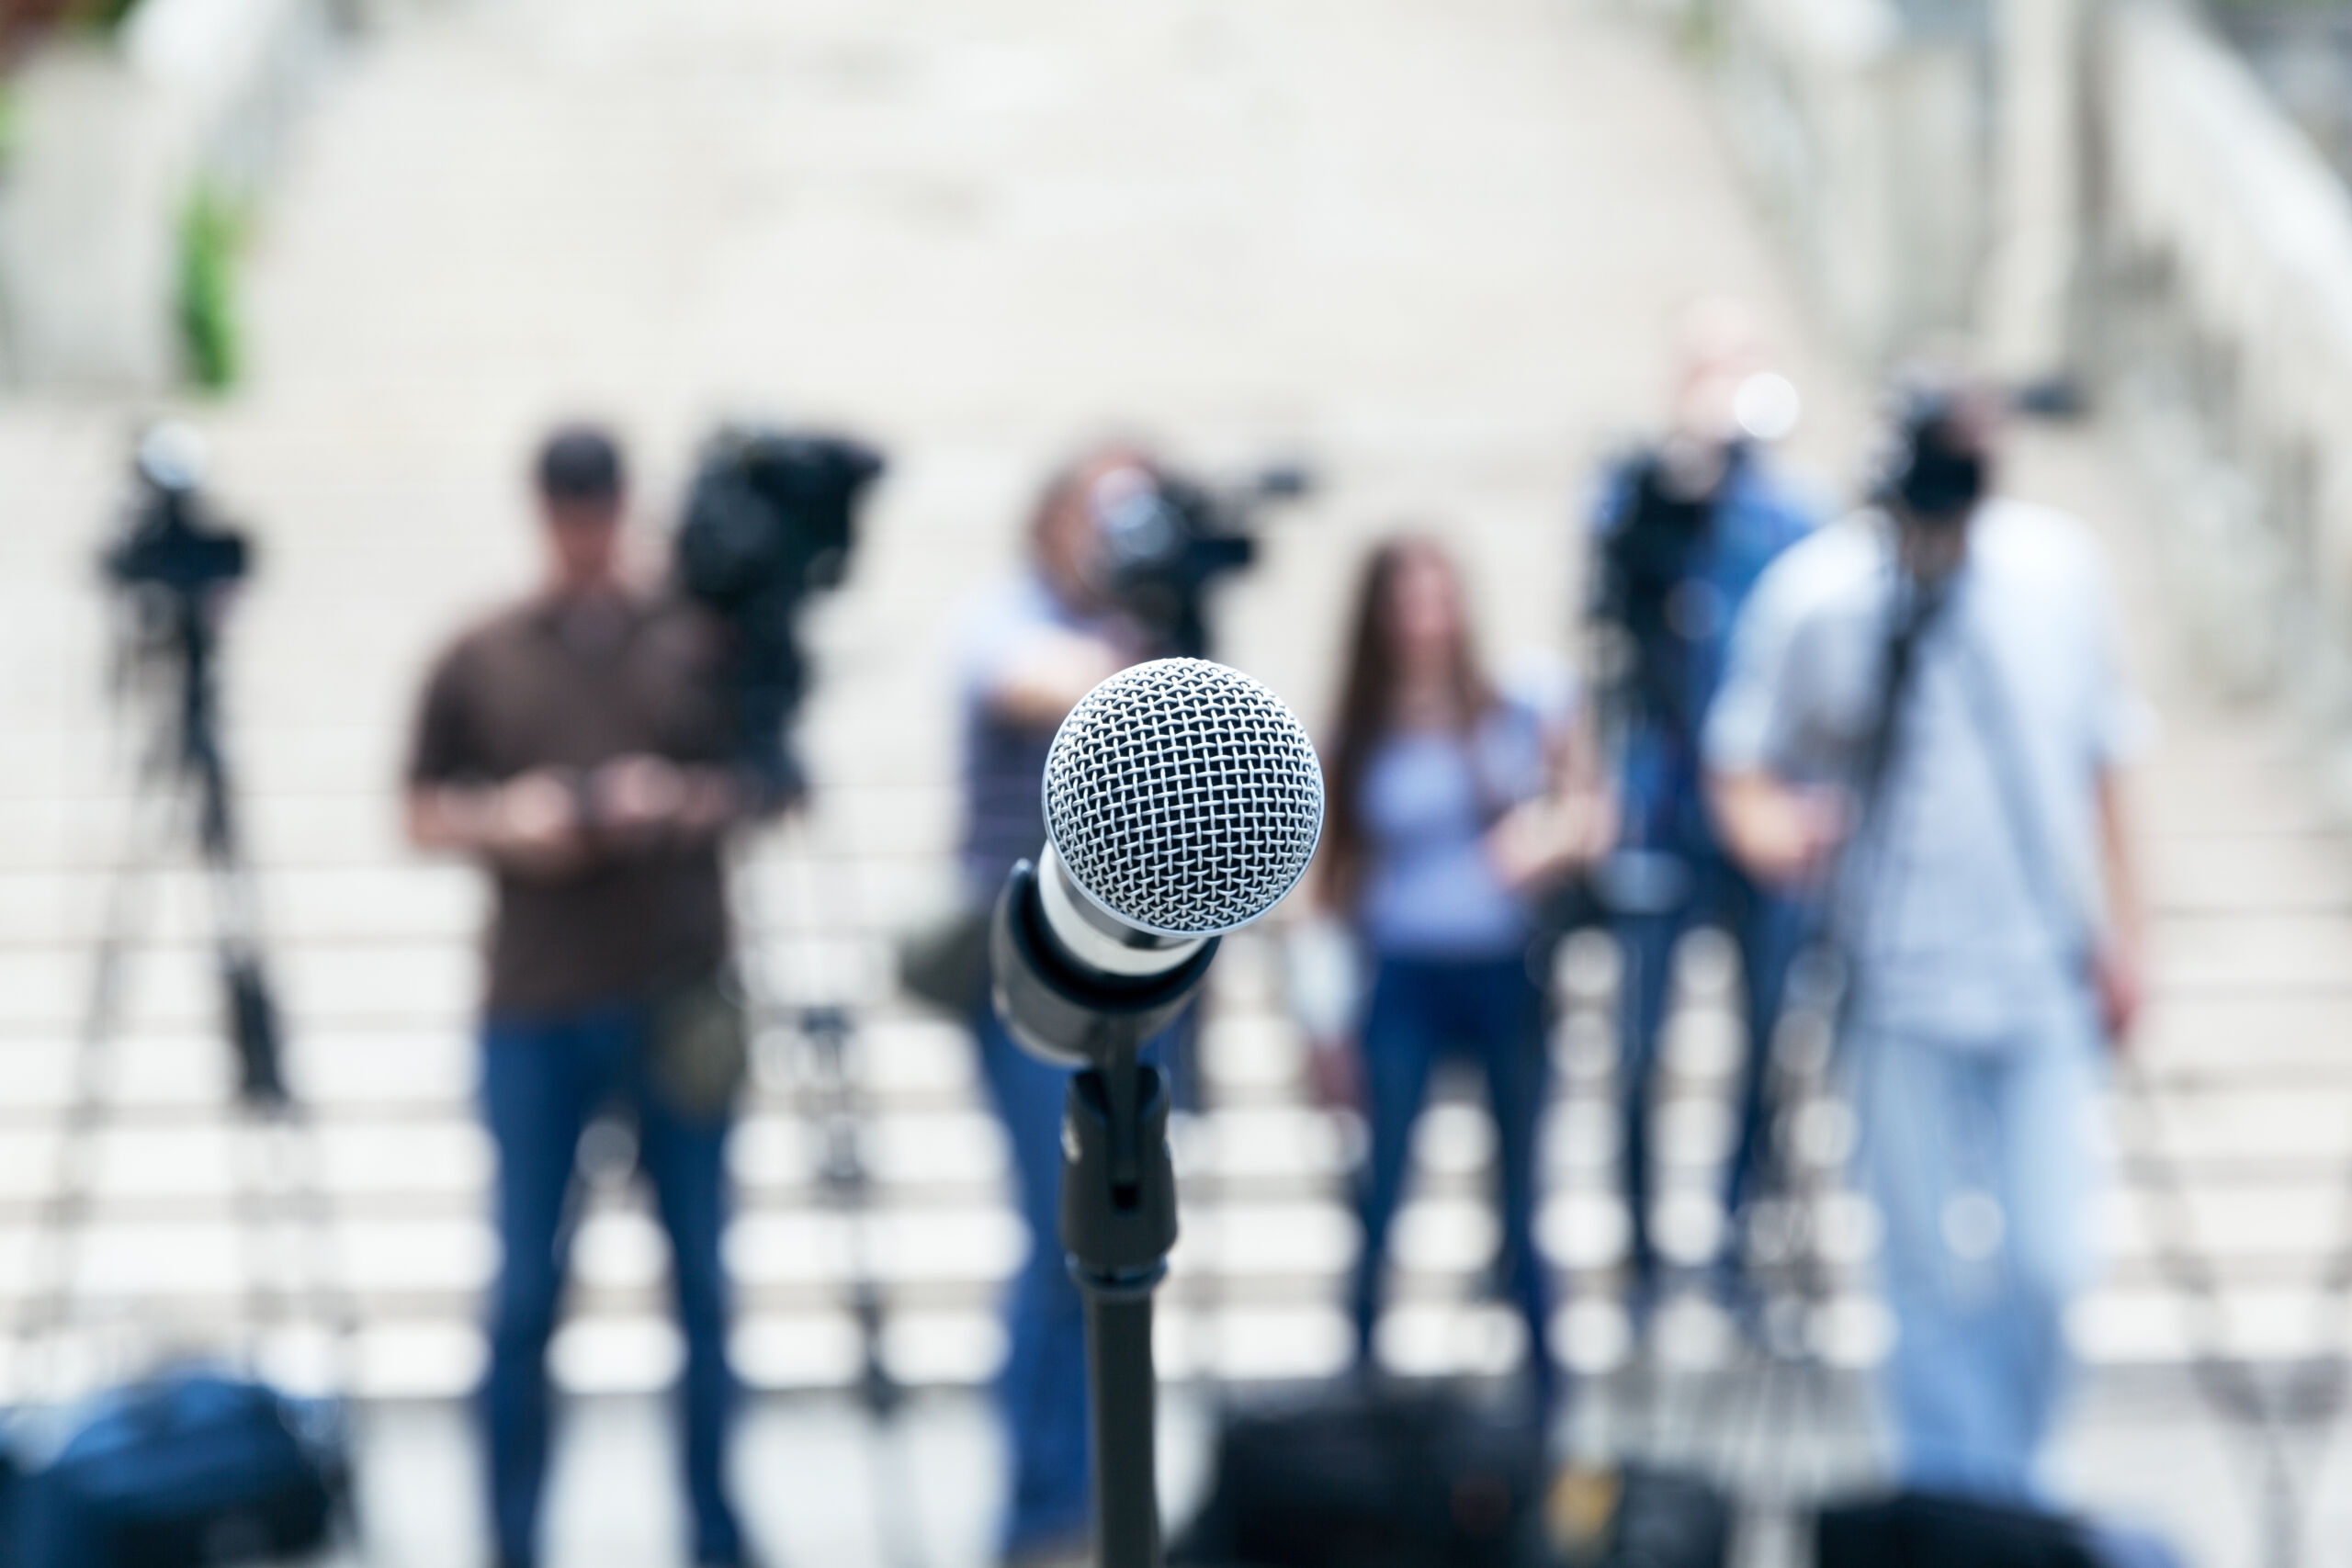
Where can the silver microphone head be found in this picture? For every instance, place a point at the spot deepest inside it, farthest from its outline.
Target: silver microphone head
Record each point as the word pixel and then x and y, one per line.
pixel 1183 797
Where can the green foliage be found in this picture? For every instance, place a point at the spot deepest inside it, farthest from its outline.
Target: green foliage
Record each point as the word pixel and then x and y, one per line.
pixel 1700 32
pixel 209 231
pixel 105 14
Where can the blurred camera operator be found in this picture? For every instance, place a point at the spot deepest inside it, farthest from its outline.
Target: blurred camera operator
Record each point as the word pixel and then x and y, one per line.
pixel 1923 709
pixel 577 745
pixel 1037 646
pixel 1684 529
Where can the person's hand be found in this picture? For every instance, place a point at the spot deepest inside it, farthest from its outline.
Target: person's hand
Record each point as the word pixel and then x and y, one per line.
pixel 1335 1074
pixel 534 825
pixel 1602 823
pixel 1790 835
pixel 637 799
pixel 1045 675
pixel 1545 839
pixel 2121 978
pixel 712 798
pixel 1823 818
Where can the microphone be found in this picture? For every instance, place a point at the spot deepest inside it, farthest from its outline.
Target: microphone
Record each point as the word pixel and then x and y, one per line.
pixel 1183 800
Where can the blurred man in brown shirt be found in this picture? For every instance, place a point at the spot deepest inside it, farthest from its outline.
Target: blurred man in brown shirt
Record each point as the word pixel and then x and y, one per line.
pixel 578 745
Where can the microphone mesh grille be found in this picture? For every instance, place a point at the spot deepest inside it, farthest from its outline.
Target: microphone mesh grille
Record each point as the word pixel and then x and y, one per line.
pixel 1183 797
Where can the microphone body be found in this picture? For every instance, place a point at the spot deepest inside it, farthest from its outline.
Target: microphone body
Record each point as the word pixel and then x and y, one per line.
pixel 1070 983
pixel 1181 800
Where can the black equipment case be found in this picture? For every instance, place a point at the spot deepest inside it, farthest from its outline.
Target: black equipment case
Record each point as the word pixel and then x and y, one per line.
pixel 1373 1479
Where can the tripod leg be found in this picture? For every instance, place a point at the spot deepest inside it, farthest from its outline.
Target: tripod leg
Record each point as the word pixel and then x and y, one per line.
pixel 827 1093
pixel 1120 1377
pixel 47 1286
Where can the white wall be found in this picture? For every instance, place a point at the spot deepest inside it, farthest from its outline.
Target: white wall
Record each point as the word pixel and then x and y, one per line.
pixel 1864 137
pixel 113 138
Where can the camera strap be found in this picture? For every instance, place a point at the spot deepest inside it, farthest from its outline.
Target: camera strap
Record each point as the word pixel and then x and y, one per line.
pixel 1917 606
pixel 1920 605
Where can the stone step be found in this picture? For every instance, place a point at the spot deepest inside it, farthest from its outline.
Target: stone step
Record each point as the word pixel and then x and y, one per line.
pixel 810 1345
pixel 351 819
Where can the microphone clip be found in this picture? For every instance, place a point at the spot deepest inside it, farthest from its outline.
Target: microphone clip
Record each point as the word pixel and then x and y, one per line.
pixel 1067 1012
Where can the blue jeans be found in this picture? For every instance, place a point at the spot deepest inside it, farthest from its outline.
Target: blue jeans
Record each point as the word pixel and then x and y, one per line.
pixel 1042 1391
pixel 543 1079
pixel 1769 932
pixel 1422 1010
pixel 1978 1158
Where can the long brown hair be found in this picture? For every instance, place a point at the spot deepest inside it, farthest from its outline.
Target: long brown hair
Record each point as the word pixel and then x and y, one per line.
pixel 1368 703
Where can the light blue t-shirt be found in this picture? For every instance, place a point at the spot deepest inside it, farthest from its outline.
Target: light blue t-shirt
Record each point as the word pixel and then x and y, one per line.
pixel 1429 798
pixel 1968 927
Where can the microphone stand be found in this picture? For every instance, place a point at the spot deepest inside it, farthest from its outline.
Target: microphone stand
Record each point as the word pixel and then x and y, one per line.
pixel 1118 1221
pixel 1118 1198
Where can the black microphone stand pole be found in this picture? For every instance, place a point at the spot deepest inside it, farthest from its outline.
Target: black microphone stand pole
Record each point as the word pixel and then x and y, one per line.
pixel 1118 1202
pixel 1118 1221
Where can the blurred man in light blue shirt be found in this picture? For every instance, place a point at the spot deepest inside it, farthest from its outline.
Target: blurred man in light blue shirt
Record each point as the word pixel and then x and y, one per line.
pixel 1923 710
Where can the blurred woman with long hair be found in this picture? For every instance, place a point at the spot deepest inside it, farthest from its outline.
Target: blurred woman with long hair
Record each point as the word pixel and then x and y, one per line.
pixel 1450 807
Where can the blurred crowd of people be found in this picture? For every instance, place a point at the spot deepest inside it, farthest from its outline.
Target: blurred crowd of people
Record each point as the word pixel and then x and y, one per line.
pixel 1894 732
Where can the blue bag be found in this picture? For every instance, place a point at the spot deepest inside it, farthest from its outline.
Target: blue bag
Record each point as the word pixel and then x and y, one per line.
pixel 185 1470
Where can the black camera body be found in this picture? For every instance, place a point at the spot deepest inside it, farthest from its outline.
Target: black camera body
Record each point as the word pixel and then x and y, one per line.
pixel 170 563
pixel 1938 471
pixel 1650 599
pixel 170 546
pixel 1170 539
pixel 770 517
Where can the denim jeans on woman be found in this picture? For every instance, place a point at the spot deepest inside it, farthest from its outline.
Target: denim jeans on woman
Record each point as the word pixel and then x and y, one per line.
pixel 1421 1012
pixel 543 1079
pixel 1980 1156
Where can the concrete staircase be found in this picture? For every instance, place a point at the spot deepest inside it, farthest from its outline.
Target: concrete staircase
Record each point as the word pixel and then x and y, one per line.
pixel 443 268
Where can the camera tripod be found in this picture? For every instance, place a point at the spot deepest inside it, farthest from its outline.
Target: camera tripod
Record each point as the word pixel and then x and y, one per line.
pixel 1117 1221
pixel 165 672
pixel 821 1013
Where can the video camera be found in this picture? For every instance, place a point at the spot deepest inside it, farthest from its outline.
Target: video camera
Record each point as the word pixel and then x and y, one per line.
pixel 770 518
pixel 170 561
pixel 1651 609
pixel 1651 606
pixel 1169 538
pixel 168 549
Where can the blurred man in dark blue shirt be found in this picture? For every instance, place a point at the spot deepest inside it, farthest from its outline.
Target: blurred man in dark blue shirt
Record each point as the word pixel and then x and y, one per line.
pixel 1683 531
